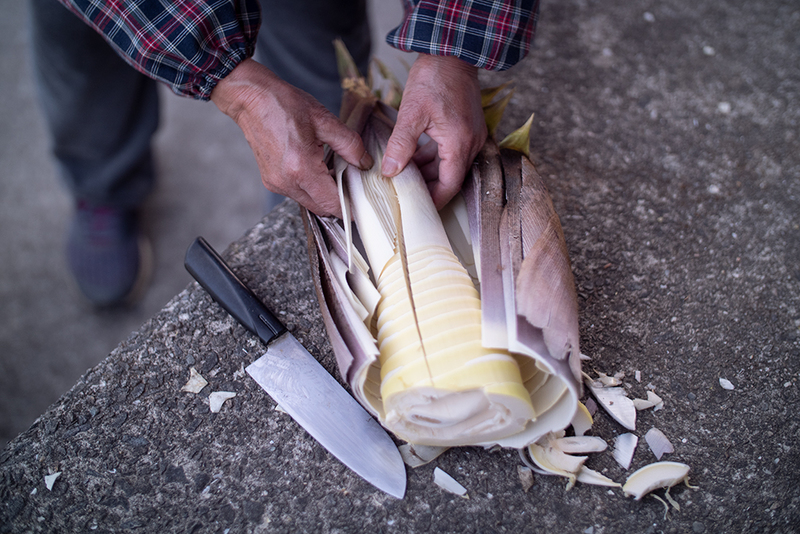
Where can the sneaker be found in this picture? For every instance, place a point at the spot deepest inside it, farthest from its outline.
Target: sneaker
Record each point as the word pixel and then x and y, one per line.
pixel 107 255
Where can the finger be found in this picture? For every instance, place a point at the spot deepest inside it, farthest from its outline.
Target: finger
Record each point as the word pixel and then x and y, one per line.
pixel 430 171
pixel 403 142
pixel 322 193
pixel 426 153
pixel 451 176
pixel 343 140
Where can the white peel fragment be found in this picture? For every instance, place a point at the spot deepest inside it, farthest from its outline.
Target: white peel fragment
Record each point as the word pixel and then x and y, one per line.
pixel 624 447
pixel 196 382
pixel 655 476
pixel 417 455
pixel 726 384
pixel 637 375
pixel 581 444
pixel 608 381
pixel 658 443
pixel 615 401
pixel 590 476
pixel 555 462
pixel 49 480
pixel 217 398
pixel 448 483
pixel 549 455
pixel 582 421
pixel 652 400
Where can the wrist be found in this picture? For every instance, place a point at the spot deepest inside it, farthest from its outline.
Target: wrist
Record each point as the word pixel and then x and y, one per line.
pixel 234 91
pixel 450 64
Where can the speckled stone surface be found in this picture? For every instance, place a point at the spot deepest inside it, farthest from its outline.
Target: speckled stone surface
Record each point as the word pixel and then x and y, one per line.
pixel 667 135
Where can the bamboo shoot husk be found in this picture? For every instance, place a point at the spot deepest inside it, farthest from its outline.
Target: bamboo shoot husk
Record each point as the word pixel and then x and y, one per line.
pixel 526 316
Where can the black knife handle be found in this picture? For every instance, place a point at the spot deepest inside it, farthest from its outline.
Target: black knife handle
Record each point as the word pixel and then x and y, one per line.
pixel 211 271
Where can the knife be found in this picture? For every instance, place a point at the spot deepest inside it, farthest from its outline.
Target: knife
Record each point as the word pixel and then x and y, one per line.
pixel 297 381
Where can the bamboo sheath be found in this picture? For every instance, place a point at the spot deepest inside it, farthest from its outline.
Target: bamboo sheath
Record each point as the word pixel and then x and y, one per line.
pixel 473 347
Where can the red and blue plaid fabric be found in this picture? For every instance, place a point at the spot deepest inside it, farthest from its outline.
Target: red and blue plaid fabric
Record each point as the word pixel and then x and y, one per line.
pixel 490 34
pixel 188 44
pixel 192 44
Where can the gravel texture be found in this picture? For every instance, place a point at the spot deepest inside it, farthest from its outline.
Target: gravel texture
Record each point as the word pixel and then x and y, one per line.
pixel 667 135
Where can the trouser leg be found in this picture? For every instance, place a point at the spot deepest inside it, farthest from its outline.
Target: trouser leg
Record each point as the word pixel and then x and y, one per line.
pixel 101 112
pixel 296 42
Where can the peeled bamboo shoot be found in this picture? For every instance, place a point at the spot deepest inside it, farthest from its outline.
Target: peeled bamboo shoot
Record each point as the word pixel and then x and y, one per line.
pixel 439 385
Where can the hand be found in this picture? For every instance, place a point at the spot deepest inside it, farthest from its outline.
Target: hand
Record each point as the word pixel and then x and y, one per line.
pixel 442 98
pixel 287 128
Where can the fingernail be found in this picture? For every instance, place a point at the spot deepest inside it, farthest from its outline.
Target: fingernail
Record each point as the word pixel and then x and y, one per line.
pixel 389 166
pixel 366 162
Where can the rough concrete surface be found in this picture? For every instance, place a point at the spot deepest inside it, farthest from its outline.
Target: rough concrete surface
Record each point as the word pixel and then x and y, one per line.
pixel 667 135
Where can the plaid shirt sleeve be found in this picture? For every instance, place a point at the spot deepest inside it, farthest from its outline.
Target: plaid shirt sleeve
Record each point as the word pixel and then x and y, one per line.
pixel 491 34
pixel 188 44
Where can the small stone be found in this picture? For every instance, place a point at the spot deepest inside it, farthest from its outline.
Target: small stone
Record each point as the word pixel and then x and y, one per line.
pixel 691 396
pixel 525 477
pixel 709 50
pixel 724 107
pixel 698 527
pixel 649 17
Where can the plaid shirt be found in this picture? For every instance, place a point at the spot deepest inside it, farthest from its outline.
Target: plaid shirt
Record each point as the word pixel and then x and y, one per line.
pixel 192 44
pixel 493 35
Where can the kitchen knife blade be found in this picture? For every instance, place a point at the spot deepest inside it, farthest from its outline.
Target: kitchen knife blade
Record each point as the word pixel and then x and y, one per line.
pixel 297 381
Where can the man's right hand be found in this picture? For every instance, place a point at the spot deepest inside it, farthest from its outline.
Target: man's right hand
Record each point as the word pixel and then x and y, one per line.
pixel 286 129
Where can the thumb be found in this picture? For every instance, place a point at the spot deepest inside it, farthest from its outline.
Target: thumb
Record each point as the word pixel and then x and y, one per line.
pixel 402 144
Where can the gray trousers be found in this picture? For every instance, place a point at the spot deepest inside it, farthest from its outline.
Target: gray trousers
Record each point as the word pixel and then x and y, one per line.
pixel 102 113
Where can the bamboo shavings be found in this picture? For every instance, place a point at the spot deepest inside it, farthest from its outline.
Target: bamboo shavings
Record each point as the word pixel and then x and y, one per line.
pixel 616 402
pixel 50 480
pixel 579 444
pixel 217 398
pixel 418 455
pixel 658 443
pixel 652 401
pixel 448 483
pixel 195 383
pixel 590 476
pixel 582 422
pixel 655 476
pixel 624 447
pixel 550 455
